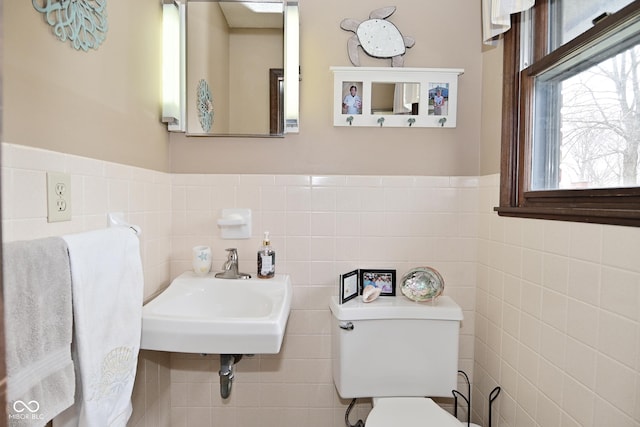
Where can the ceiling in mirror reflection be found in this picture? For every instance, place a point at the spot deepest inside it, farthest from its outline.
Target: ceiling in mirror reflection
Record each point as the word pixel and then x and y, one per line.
pixel 253 14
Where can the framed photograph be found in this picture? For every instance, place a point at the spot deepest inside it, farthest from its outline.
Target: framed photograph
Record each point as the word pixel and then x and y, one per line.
pixel 352 97
pixel 383 279
pixel 438 99
pixel 348 286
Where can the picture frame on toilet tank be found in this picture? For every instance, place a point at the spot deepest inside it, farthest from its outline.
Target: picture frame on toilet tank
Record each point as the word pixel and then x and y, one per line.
pixel 349 288
pixel 383 279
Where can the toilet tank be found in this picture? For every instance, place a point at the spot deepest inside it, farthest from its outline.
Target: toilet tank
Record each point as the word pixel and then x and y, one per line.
pixel 395 347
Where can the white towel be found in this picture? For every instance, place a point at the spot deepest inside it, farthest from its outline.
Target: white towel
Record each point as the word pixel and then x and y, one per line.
pixel 107 282
pixel 38 319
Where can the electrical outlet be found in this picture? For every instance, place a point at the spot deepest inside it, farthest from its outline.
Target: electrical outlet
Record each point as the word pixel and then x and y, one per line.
pixel 58 196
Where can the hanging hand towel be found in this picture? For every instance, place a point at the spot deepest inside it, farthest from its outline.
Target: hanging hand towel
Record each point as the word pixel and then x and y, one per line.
pixel 107 283
pixel 38 319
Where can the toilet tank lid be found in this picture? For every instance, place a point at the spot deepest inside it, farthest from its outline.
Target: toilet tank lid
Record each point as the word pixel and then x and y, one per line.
pixel 397 307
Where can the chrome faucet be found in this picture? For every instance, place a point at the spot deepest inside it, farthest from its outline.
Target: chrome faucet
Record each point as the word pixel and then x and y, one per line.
pixel 230 267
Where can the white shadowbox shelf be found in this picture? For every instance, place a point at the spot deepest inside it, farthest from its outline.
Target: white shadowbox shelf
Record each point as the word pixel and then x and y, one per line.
pixel 395 97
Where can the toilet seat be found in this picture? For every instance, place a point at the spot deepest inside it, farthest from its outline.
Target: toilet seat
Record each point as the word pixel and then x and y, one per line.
pixel 408 412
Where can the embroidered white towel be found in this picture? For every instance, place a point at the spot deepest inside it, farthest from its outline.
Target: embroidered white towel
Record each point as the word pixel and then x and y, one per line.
pixel 107 283
pixel 37 301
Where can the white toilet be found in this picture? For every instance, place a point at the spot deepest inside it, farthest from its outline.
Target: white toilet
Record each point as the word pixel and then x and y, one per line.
pixel 399 353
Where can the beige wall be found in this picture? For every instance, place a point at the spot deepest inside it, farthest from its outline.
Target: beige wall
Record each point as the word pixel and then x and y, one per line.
pixel 102 104
pixel 249 77
pixel 491 109
pixel 322 148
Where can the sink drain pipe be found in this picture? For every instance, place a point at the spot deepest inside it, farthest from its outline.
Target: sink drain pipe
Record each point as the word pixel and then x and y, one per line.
pixel 226 372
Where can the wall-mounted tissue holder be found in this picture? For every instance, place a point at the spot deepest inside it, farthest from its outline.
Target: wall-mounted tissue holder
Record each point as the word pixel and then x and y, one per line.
pixel 235 223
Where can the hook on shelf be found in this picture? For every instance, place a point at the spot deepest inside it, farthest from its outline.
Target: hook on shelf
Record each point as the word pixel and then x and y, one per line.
pixel 442 121
pixel 411 121
pixel 381 121
pixel 350 120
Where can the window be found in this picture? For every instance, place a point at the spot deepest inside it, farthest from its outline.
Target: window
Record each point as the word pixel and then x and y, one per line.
pixel 571 119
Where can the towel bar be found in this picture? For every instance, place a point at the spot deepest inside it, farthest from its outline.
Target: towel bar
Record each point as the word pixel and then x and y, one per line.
pixel 116 219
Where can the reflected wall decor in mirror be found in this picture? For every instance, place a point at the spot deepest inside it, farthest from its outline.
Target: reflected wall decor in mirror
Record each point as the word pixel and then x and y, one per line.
pixel 238 49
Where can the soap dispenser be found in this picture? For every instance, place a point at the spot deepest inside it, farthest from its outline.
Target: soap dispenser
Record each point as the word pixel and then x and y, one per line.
pixel 266 259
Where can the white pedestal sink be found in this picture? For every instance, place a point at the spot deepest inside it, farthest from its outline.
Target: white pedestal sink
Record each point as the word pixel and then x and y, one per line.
pixel 204 314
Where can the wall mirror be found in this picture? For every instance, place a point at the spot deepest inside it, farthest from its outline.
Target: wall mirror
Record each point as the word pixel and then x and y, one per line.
pixel 395 98
pixel 235 67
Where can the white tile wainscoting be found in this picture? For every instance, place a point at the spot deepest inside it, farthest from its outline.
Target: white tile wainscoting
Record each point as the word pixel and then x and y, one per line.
pixel 551 309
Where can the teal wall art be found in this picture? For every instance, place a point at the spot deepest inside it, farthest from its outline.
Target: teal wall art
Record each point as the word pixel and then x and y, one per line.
pixel 82 22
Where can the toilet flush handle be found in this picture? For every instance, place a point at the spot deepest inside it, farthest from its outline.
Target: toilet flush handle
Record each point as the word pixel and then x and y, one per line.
pixel 347 326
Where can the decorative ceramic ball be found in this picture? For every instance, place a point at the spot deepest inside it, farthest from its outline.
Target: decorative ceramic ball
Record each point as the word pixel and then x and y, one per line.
pixel 422 284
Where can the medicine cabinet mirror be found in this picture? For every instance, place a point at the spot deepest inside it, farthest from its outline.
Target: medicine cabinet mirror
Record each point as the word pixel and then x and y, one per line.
pixel 235 67
pixel 395 97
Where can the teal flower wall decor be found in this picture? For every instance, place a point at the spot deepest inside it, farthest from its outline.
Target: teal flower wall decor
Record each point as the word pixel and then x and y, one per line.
pixel 82 22
pixel 205 105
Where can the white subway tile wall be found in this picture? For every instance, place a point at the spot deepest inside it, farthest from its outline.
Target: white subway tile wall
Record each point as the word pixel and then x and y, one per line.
pixel 97 188
pixel 557 320
pixel 320 226
pixel 551 309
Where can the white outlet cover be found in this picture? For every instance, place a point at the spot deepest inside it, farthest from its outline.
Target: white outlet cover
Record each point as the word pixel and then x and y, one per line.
pixel 58 196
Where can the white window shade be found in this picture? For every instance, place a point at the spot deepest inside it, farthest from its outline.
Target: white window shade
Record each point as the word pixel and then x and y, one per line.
pixel 496 16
